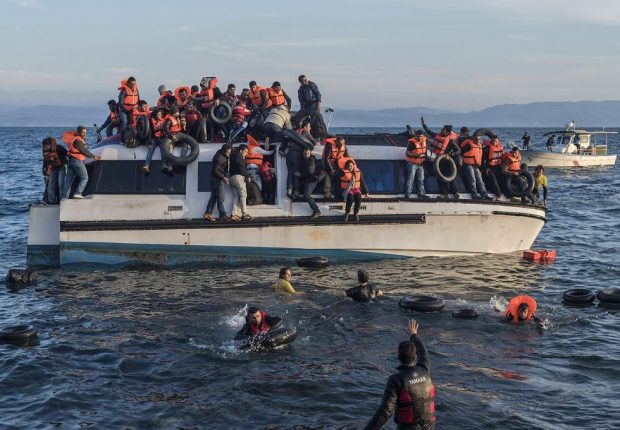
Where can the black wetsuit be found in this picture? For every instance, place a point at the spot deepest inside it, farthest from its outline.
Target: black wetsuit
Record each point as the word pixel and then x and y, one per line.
pixel 418 381
pixel 362 293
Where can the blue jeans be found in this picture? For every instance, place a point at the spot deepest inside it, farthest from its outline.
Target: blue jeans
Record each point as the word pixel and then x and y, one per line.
pixel 217 195
pixel 55 184
pixel 155 141
pixel 75 168
pixel 125 117
pixel 475 184
pixel 414 171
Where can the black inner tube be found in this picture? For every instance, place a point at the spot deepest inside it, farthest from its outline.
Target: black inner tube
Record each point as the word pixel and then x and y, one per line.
pixel 313 262
pixel 273 338
pixel 143 127
pixel 466 313
pixel 220 114
pixel 183 160
pixel 521 185
pixel 18 334
pixel 578 295
pixel 422 303
pixel 609 295
pixel 441 163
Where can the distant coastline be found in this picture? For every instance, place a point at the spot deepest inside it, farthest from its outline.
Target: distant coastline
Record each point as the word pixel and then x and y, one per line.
pixel 537 114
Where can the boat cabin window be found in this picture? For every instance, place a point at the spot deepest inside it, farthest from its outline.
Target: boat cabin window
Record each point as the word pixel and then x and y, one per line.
pixel 127 177
pixel 564 139
pixel 204 176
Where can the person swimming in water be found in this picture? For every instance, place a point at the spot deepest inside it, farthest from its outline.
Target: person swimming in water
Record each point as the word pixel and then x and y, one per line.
pixel 257 322
pixel 283 284
pixel 364 292
pixel 522 308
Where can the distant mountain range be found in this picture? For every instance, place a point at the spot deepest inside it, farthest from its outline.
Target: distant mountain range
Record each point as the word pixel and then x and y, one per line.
pixel 539 114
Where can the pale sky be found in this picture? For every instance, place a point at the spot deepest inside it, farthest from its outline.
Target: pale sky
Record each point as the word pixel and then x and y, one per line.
pixel 457 55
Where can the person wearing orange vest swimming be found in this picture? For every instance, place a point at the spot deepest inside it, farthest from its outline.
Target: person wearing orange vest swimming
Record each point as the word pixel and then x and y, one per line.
pixel 352 185
pixel 471 152
pixel 492 152
pixel 112 121
pixel 277 96
pixel 157 133
pixel 128 97
pixel 409 393
pixel 521 308
pixel 77 152
pixel 440 143
pixel 415 155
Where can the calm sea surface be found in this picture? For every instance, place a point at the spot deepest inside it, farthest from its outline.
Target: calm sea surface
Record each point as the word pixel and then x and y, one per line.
pixel 151 348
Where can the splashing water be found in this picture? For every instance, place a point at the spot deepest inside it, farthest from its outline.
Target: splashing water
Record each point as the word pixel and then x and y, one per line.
pixel 498 303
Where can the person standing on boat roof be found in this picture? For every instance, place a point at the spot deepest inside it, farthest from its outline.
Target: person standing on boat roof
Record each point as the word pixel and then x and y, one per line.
pixel 471 152
pixel 550 143
pixel 283 284
pixel 277 96
pixel 526 140
pixel 220 173
pixel 239 177
pixel 112 121
pixel 492 152
pixel 352 186
pixel 364 292
pixel 410 390
pixel 128 97
pixel 313 172
pixel 441 143
pixel 77 152
pixel 310 106
pixel 257 322
pixel 415 155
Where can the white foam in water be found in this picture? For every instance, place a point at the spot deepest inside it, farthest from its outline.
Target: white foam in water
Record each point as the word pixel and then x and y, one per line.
pixel 498 303
pixel 237 320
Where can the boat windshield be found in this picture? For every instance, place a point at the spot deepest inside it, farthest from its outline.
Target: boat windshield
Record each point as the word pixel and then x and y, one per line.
pixel 564 139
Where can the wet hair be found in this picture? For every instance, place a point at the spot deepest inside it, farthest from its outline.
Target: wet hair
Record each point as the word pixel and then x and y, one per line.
pixel 252 310
pixel 112 102
pixel 406 352
pixel 226 147
pixel 131 78
pixel 242 147
pixel 283 271
pixel 305 123
pixel 362 276
pixel 301 78
pixel 276 84
pixel 232 86
pixel 80 128
pixel 540 168
pixel 522 307
pixel 252 83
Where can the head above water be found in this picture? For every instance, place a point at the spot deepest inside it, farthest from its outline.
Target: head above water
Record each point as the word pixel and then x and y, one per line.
pixel 539 170
pixel 406 352
pixel 285 273
pixel 523 311
pixel 362 276
pixel 254 316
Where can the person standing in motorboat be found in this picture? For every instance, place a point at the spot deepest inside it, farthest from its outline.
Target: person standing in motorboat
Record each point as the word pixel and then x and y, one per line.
pixel 409 394
pixel 550 143
pixel 112 121
pixel 471 153
pixel 128 98
pixel 363 292
pixel 313 172
pixel 220 173
pixel 77 152
pixel 415 155
pixel 526 140
pixel 239 177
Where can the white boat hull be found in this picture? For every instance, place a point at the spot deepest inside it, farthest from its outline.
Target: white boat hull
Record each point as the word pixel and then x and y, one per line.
pixel 563 160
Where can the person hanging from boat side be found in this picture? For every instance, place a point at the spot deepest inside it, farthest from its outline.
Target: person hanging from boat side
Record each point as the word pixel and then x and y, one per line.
pixel 77 151
pixel 352 186
pixel 540 181
pixel 113 120
pixel 335 148
pixel 363 292
pixel 54 170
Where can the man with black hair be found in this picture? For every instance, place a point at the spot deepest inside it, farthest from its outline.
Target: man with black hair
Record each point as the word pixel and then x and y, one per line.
pixel 313 172
pixel 220 172
pixel 310 106
pixel 364 292
pixel 112 121
pixel 77 152
pixel 257 322
pixel 410 390
pixel 239 177
pixel 441 143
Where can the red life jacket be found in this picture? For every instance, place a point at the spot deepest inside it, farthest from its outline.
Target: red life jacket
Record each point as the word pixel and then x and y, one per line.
pixel 137 112
pixel 419 149
pixel 408 403
pixel 158 127
pixel 191 115
pixel 264 327
pixel 473 157
pixel 515 162
pixel 265 171
pixel 175 124
pixel 345 179
pixel 50 157
pixel 253 156
pixel 114 116
pixel 69 137
pixel 131 96
pixel 496 151
pixel 276 97
pixel 239 113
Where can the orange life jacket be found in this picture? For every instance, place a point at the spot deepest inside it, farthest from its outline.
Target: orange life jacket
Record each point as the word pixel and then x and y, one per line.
pixel 158 127
pixel 276 97
pixel 69 137
pixel 114 116
pixel 253 156
pixel 439 144
pixel 496 152
pixel 256 98
pixel 513 307
pixel 515 162
pixel 345 179
pixel 420 150
pixel 50 157
pixel 160 100
pixel 137 112
pixel 343 161
pixel 175 124
pixel 335 153
pixel 473 157
pixel 180 102
pixel 131 96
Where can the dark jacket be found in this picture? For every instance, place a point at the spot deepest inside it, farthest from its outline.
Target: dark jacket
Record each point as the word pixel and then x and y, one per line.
pixel 220 166
pixel 311 168
pixel 418 380
pixel 80 146
pixel 237 164
pixel 362 293
pixel 272 322
pixel 308 94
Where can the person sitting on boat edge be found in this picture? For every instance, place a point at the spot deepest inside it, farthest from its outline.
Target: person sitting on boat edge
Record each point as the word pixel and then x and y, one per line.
pixel 415 155
pixel 363 292
pixel 172 127
pixel 219 178
pixel 471 153
pixel 313 172
pixel 410 390
pixel 352 185
pixel 157 134
pixel 239 177
pixel 283 283
pixel 257 322
pixel 77 152
pixel 112 121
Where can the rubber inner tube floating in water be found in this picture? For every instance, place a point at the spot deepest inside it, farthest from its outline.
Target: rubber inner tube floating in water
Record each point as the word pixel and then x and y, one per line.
pixel 18 335
pixel 167 150
pixel 609 295
pixel 220 114
pixel 520 185
pixel 313 262
pixel 578 296
pixel 442 164
pixel 421 303
pixel 466 313
pixel 273 338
